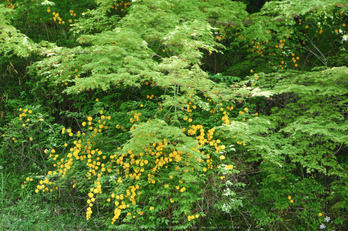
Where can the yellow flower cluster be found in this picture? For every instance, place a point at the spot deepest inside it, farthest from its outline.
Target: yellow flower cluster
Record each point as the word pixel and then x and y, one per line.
pixel 24 114
pixel 21 118
pixel 72 13
pixel 10 6
pixel 131 166
pixel 81 151
pixel 225 119
pixel 120 127
pixel 60 20
pixel 57 17
pixel 155 156
pixel 230 167
pixel 126 5
pixel 135 118
pixel 123 201
pixel 44 186
pixel 88 213
pixel 27 180
pixel 291 201
pixel 189 218
pixel 243 142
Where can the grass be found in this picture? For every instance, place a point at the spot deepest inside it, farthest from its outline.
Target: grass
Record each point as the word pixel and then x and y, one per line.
pixel 29 212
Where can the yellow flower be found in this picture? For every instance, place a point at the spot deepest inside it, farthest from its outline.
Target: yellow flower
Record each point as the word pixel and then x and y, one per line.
pixel 320 214
pixel 151 208
pixel 229 167
pixel 291 201
pixel 190 120
pixel 289 197
pixel 89 118
pixel 53 151
pixel 204 169
pixel 222 157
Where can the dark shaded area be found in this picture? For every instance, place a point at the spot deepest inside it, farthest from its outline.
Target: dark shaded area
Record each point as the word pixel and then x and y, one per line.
pixel 254 6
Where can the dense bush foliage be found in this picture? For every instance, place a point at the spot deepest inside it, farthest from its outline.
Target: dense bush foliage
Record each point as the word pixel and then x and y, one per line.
pixel 174 114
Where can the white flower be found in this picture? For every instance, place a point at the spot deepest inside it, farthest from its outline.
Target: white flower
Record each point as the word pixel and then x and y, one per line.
pixel 327 219
pixel 322 226
pixel 47 3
